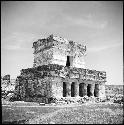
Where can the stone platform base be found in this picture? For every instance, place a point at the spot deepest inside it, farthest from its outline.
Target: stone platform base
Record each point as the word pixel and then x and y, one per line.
pixel 48 83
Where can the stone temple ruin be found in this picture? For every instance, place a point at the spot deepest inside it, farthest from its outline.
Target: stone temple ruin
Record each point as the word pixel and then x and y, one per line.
pixel 59 72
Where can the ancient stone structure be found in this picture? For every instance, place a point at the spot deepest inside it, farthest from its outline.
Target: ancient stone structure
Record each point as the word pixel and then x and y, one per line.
pixel 59 72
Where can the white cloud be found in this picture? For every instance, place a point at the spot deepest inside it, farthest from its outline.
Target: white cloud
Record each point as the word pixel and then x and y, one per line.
pixel 87 21
pixel 13 47
pixel 16 41
pixel 97 49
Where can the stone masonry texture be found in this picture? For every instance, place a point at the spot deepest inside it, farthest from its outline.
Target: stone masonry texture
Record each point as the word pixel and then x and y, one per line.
pixel 58 63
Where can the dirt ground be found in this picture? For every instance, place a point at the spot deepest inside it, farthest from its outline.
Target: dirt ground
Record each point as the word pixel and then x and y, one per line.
pixel 87 113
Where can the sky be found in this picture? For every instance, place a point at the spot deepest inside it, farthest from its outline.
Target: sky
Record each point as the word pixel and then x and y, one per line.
pixel 97 24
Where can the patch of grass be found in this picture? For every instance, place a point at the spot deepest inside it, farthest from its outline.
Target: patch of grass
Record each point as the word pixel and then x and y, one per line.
pixel 85 114
pixel 11 114
pixel 101 113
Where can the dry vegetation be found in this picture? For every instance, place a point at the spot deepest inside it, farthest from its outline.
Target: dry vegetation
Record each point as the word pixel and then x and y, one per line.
pixel 108 112
pixel 114 93
pixel 27 113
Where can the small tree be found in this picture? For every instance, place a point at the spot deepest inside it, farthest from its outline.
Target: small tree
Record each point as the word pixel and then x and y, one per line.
pixel 6 77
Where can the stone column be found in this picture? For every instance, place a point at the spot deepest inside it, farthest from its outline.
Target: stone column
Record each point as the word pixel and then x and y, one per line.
pixel 84 89
pixel 68 89
pixel 76 89
pixel 102 90
pixel 92 89
pixel 96 90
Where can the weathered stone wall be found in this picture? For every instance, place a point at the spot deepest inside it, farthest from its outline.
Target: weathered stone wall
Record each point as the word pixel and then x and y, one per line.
pixel 43 57
pixel 102 90
pixel 57 87
pixel 59 53
pixel 33 90
pixel 45 82
pixel 38 84
pixel 54 50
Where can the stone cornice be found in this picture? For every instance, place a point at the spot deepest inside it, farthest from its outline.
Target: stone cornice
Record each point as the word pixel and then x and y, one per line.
pixel 65 72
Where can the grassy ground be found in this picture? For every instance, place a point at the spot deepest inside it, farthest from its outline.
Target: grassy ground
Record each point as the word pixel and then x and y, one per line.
pixel 102 113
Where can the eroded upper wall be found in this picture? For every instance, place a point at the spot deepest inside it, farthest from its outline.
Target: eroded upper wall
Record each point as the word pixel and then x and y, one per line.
pixel 43 52
pixel 59 53
pixel 54 50
pixel 43 57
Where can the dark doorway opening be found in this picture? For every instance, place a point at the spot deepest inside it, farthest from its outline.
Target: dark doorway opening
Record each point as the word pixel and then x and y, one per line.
pixel 89 90
pixel 64 89
pixel 81 89
pixel 73 89
pixel 69 61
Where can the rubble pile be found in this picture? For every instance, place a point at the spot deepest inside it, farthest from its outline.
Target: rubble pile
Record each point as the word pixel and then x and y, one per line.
pixel 7 86
pixel 75 100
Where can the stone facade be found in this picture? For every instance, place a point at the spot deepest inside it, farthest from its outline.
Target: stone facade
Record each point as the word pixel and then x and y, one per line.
pixel 57 50
pixel 59 72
